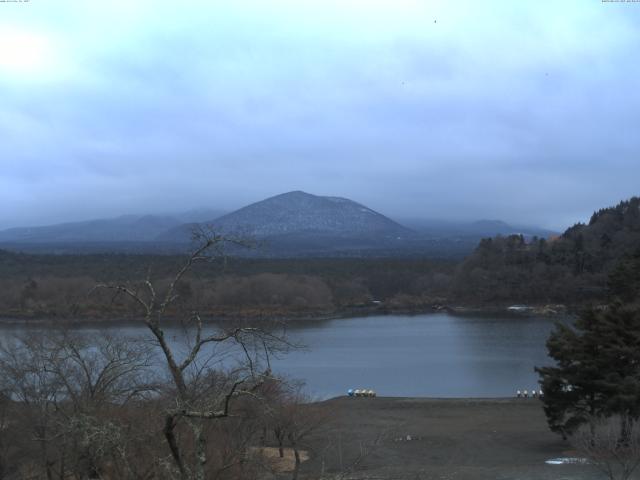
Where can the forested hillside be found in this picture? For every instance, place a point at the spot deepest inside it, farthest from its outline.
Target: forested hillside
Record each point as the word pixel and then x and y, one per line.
pixel 571 268
pixel 47 286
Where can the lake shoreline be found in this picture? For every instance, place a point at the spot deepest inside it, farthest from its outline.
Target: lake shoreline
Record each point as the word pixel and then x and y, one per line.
pixel 483 356
pixel 503 311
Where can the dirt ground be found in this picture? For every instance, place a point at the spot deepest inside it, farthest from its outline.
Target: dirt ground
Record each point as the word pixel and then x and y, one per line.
pixel 417 438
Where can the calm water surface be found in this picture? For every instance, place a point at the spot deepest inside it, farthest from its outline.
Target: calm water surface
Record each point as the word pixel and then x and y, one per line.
pixel 436 355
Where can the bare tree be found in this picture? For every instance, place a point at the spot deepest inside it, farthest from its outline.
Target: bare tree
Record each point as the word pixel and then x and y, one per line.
pixel 106 369
pixel 612 445
pixel 99 377
pixel 63 390
pixel 5 447
pixel 291 417
pixel 197 393
pixel 27 382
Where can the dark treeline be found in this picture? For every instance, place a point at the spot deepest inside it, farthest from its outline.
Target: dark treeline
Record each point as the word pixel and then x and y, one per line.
pixel 59 285
pixel 571 268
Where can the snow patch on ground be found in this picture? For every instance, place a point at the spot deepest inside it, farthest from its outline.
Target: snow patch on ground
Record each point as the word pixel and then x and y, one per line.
pixel 565 461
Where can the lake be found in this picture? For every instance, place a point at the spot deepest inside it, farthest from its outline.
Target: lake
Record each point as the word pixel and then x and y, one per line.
pixel 434 355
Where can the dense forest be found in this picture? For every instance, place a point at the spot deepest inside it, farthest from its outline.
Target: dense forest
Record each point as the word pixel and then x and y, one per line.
pixel 570 269
pixel 59 285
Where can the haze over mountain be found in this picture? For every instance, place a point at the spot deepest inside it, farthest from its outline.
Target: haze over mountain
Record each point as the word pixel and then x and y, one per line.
pixel 199 215
pixel 481 228
pixel 126 228
pixel 293 223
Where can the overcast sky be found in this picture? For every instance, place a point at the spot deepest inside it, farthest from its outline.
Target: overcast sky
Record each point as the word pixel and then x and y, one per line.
pixel 523 111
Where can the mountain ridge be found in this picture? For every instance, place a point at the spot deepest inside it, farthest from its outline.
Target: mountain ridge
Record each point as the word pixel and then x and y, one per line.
pixel 123 228
pixel 298 211
pixel 294 223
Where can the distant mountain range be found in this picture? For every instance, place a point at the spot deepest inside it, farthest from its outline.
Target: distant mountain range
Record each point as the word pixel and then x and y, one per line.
pixel 482 228
pixel 291 224
pixel 127 228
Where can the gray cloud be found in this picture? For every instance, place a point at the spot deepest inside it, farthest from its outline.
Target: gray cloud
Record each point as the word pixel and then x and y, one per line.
pixel 525 112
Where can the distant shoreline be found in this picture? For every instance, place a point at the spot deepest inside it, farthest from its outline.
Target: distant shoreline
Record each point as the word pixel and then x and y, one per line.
pixel 292 318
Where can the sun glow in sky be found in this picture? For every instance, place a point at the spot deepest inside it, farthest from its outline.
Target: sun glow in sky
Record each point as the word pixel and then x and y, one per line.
pixel 25 53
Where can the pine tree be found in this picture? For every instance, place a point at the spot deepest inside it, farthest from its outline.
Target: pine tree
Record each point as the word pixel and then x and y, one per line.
pixel 597 371
pixel 570 388
pixel 624 281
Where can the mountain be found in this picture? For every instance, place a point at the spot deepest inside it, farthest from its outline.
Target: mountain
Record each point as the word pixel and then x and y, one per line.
pixel 299 223
pixel 126 228
pixel 300 213
pixel 291 224
pixel 477 229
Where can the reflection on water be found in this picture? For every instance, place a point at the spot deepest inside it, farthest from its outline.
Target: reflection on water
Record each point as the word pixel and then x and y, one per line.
pixel 436 355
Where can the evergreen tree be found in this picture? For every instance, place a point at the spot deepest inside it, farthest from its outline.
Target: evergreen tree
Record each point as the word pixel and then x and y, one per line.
pixel 597 371
pixel 624 281
pixel 571 393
